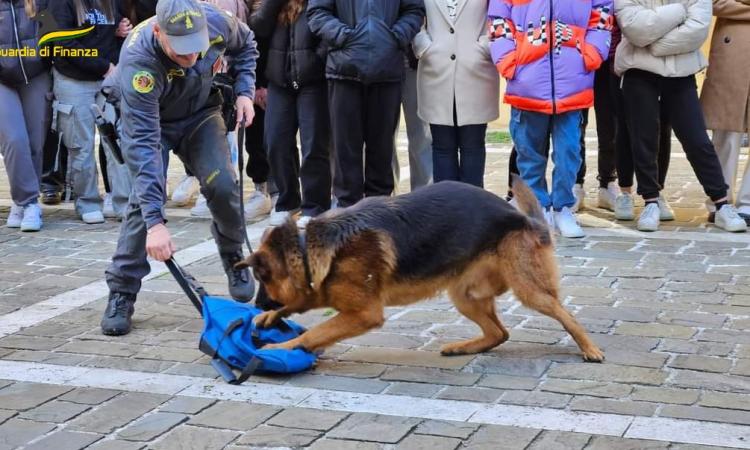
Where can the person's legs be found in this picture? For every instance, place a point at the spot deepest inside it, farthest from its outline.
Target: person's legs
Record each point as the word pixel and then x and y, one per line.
pixel 742 201
pixel 445 165
pixel 606 125
pixel 641 92
pixel 347 102
pixel 665 144
pixel 281 140
pixel 381 120
pixel 529 132
pixel 258 166
pixel 17 124
pixel 418 133
pixel 76 125
pixel 473 153
pixel 623 152
pixel 727 145
pixel 566 155
pixel 315 136
pixel 205 151
pixel 581 172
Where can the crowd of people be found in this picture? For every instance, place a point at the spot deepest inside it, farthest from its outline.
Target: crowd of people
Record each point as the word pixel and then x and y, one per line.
pixel 334 75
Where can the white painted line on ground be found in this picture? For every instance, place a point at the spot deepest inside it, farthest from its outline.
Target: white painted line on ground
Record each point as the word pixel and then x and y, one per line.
pixel 690 431
pixel 67 301
pixel 529 417
pixel 654 428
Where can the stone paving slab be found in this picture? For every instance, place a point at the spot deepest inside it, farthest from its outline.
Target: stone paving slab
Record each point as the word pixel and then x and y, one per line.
pixel 671 310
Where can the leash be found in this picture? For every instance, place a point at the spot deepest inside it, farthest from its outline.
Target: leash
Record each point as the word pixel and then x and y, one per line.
pixel 241 163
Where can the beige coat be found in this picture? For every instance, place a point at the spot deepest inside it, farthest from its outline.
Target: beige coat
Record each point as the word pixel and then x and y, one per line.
pixel 726 91
pixel 662 36
pixel 455 64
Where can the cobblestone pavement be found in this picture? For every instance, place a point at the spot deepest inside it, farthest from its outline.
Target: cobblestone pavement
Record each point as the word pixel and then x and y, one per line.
pixel 671 310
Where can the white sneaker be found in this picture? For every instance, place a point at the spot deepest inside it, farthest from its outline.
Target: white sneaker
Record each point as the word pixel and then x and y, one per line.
pixel 303 221
pixel 727 218
pixel 624 207
pixel 649 220
pixel 32 218
pixel 549 217
pixel 608 196
pixel 258 204
pixel 279 217
pixel 580 195
pixel 108 209
pixel 15 217
pixel 186 189
pixel 201 208
pixel 665 211
pixel 567 224
pixel 92 217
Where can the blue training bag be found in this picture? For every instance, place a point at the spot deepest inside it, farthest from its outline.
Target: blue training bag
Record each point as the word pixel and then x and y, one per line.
pixel 233 341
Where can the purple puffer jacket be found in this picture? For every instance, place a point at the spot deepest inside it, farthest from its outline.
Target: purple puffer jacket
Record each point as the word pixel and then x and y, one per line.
pixel 549 49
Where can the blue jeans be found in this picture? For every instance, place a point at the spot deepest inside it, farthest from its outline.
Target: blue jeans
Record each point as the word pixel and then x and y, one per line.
pixel 458 153
pixel 529 131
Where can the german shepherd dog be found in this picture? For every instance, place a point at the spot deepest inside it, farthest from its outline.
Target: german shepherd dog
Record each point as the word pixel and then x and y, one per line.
pixel 391 251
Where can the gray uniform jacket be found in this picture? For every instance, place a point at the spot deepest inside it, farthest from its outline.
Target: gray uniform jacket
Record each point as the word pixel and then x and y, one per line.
pixel 153 92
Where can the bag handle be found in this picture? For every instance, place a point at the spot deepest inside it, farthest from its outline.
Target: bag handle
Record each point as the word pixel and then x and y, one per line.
pixel 193 290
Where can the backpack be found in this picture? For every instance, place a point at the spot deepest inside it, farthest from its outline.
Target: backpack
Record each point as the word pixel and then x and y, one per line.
pixel 233 341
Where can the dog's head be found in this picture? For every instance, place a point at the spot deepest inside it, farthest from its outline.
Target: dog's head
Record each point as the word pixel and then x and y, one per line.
pixel 278 264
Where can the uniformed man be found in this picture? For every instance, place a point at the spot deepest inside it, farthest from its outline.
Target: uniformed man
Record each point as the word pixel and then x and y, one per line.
pixel 163 87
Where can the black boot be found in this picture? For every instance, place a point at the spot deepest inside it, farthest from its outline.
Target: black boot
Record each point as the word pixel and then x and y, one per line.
pixel 241 284
pixel 117 317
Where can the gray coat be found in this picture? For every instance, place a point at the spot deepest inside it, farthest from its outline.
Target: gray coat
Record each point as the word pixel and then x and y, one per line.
pixel 18 31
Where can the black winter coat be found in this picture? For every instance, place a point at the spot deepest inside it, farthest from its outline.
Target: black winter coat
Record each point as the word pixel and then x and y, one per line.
pixel 18 31
pixel 296 57
pixel 102 38
pixel 366 38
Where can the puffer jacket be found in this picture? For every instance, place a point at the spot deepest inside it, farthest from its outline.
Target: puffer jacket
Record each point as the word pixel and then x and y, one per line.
pixel 366 38
pixel 662 36
pixel 296 57
pixel 548 51
pixel 18 31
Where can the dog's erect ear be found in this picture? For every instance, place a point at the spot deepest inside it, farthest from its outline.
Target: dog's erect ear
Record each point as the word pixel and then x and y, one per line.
pixel 259 263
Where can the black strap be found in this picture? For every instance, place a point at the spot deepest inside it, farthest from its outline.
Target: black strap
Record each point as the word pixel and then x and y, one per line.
pixel 193 290
pixel 232 326
pixel 248 371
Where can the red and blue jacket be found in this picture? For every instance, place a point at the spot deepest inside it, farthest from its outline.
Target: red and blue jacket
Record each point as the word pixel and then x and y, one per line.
pixel 548 50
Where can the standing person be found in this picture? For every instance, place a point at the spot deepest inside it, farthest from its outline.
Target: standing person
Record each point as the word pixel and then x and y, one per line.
pixel 726 96
pixel 364 68
pixel 658 58
pixel 549 57
pixel 296 101
pixel 77 80
pixel 458 87
pixel 164 89
pixel 24 115
pixel 417 130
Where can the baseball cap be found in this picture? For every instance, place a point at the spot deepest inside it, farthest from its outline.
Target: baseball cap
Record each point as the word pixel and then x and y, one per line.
pixel 184 23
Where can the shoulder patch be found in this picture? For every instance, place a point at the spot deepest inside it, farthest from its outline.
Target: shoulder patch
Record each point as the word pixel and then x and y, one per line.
pixel 143 82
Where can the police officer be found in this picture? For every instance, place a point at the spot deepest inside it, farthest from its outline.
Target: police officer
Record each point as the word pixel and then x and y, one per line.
pixel 163 87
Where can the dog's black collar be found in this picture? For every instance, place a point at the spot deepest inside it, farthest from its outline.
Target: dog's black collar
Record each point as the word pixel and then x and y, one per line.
pixel 302 240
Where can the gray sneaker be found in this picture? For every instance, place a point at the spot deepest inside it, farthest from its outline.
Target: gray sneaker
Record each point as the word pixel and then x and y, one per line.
pixel 32 218
pixel 624 207
pixel 15 217
pixel 241 284
pixel 665 211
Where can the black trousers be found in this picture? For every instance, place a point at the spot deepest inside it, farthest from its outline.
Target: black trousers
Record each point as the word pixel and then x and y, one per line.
pixel 304 110
pixel 625 168
pixel 644 95
pixel 257 166
pixel 54 164
pixel 363 120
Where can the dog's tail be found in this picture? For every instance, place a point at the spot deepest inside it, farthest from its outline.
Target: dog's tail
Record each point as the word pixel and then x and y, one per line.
pixel 528 204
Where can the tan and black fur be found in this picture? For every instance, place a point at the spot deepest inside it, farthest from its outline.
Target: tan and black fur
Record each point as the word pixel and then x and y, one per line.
pixel 389 251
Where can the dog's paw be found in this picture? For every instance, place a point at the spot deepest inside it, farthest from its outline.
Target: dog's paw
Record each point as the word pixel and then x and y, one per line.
pixel 594 355
pixel 288 345
pixel 267 319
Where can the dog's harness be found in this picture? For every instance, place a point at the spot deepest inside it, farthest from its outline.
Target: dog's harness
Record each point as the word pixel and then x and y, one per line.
pixel 301 239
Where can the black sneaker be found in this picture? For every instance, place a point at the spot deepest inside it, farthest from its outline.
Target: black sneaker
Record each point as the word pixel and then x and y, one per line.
pixel 117 317
pixel 241 284
pixel 51 197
